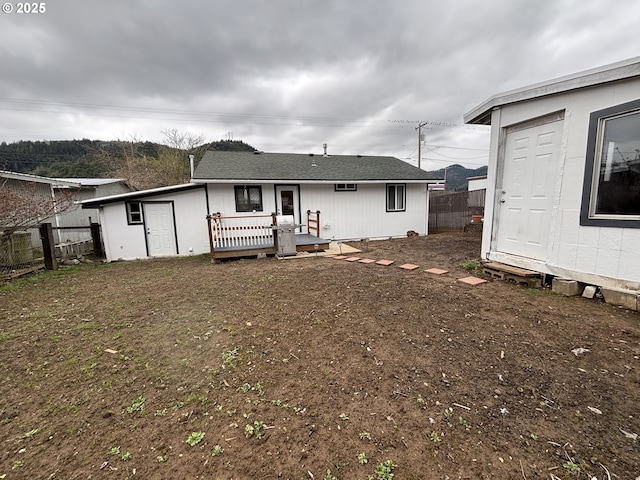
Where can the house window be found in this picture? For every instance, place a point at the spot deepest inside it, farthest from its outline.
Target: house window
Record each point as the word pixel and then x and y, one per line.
pixel 134 213
pixel 396 195
pixel 346 187
pixel 611 190
pixel 248 198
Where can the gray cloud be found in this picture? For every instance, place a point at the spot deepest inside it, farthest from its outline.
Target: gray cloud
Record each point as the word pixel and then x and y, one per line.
pixel 291 75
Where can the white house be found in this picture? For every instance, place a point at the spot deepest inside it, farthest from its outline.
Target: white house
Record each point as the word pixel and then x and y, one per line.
pixel 358 197
pixel 563 193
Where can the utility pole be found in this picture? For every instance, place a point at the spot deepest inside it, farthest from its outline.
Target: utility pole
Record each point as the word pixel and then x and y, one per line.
pixel 419 129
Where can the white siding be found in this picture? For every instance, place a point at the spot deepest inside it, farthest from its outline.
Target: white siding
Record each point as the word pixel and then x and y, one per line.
pixel 343 215
pixel 127 242
pixel 601 255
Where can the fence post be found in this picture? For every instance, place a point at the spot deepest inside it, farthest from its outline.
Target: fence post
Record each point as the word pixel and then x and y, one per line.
pixel 98 251
pixel 48 246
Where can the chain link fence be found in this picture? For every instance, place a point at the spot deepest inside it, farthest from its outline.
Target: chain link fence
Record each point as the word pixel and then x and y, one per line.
pixel 20 252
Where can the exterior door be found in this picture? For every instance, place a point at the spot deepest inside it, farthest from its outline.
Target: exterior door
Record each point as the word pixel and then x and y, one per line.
pixel 288 201
pixel 161 235
pixel 528 187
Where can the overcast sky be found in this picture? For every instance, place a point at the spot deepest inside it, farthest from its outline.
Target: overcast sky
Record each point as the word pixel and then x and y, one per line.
pixel 290 75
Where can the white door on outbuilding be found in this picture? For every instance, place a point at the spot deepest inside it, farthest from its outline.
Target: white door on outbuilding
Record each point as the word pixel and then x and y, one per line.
pixel 161 235
pixel 531 158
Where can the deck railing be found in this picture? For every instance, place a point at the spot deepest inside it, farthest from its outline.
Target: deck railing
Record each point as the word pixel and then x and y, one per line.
pixel 313 223
pixel 240 232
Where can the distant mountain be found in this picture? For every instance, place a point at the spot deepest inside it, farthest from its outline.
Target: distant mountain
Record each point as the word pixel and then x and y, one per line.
pixel 88 158
pixel 457 176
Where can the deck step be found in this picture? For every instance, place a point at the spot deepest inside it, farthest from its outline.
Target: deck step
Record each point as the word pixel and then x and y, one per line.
pixel 510 273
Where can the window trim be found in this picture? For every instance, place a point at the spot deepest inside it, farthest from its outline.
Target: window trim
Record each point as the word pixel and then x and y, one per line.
pixel 404 197
pixel 346 187
pixel 595 135
pixel 249 209
pixel 130 220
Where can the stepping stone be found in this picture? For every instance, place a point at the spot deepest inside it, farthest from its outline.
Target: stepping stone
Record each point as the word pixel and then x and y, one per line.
pixel 409 266
pixel 340 257
pixel 437 271
pixel 472 280
pixel 352 259
pixel 384 263
pixel 367 260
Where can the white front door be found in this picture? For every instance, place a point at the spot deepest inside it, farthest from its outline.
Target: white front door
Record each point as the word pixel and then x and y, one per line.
pixel 528 186
pixel 161 235
pixel 288 201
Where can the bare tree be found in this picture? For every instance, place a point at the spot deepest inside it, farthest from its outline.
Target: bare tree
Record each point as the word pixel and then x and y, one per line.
pixel 22 207
pixel 135 167
pixel 172 165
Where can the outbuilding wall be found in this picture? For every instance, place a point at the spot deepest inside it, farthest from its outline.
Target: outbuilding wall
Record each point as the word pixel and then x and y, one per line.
pixel 128 242
pixel 604 256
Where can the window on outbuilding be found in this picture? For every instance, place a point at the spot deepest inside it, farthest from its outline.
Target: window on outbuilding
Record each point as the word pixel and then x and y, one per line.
pixel 611 190
pixel 134 213
pixel 396 197
pixel 248 198
pixel 346 187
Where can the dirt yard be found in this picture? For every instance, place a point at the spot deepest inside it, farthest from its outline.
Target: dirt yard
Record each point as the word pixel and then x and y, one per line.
pixel 313 368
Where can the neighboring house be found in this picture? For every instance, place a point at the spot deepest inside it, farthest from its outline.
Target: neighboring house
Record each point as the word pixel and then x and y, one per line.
pixel 89 188
pixel 477 183
pixel 563 193
pixel 358 197
pixel 39 190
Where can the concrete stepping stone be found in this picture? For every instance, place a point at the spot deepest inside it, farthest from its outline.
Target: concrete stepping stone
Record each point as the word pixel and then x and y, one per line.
pixel 367 260
pixel 409 266
pixel 384 263
pixel 437 271
pixel 472 280
pixel 352 259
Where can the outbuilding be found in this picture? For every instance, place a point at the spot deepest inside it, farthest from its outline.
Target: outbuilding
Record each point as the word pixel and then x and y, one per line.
pixel 563 193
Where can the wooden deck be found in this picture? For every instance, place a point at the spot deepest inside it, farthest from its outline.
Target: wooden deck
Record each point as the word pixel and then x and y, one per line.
pixel 252 235
pixel 304 243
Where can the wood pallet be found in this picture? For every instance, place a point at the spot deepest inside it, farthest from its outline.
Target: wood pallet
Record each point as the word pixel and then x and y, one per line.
pixel 521 276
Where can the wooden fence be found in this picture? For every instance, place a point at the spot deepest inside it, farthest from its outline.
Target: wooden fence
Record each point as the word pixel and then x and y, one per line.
pixel 454 211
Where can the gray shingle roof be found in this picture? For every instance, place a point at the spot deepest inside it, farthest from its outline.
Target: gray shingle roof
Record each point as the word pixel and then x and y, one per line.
pixel 298 167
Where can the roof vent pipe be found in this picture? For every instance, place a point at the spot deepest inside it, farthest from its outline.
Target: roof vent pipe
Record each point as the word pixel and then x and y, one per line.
pixel 324 145
pixel 191 165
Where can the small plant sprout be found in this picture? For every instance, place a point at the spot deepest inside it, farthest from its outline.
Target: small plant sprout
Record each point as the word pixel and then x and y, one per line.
pixel 572 467
pixel 137 405
pixel 217 450
pixel 384 471
pixel 195 438
pixel 255 429
pixel 362 458
pixel 329 476
pixel 115 451
pixel 343 416
pixel 229 358
pixel 471 265
pixel 126 456
pixel 435 437
pixel 31 433
pixel 464 423
pixel 365 436
pixel 448 413
pixel 534 436
pixel 420 401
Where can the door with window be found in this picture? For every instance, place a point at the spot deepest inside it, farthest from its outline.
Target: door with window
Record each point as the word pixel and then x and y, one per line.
pixel 288 201
pixel 161 234
pixel 531 161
